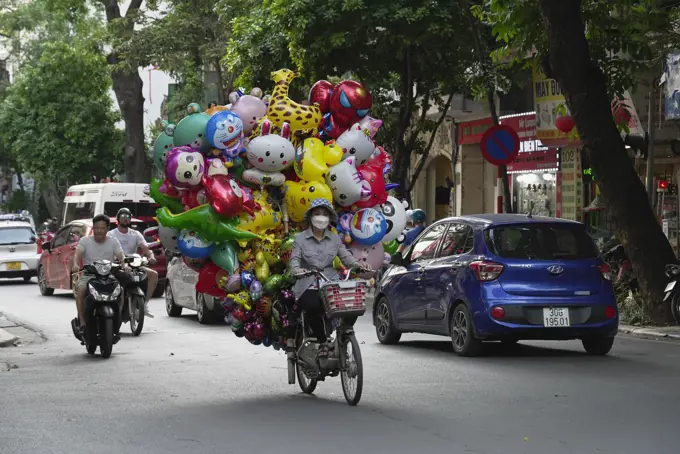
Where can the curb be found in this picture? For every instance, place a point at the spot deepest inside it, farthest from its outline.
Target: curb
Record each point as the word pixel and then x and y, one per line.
pixel 640 331
pixel 23 323
pixel 7 339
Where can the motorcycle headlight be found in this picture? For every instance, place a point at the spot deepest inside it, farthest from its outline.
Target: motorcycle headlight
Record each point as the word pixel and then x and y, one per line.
pixel 95 294
pixel 103 269
pixel 116 292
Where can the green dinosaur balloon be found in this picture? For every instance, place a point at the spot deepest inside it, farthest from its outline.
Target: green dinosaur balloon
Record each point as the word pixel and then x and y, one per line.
pixel 164 200
pixel 206 222
pixel 224 256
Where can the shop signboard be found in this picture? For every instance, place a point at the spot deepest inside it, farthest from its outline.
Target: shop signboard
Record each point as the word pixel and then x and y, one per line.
pixel 523 124
pixel 472 131
pixel 548 97
pixel 571 184
pixel 537 161
pixel 672 95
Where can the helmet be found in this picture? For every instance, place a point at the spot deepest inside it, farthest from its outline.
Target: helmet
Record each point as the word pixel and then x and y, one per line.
pixel 418 215
pixel 123 211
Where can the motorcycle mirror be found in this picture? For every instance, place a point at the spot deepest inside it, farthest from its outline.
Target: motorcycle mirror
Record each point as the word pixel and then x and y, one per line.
pixel 47 246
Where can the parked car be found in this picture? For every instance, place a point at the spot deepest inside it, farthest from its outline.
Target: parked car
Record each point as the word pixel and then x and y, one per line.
pixel 499 277
pixel 180 293
pixel 54 268
pixel 18 250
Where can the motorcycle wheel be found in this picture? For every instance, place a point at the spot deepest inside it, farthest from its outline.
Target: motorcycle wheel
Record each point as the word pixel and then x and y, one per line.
pixel 106 337
pixel 307 385
pixel 136 314
pixel 90 349
pixel 352 373
pixel 675 307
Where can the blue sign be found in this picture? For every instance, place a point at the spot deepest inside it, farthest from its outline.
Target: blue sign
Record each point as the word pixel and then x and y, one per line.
pixel 500 145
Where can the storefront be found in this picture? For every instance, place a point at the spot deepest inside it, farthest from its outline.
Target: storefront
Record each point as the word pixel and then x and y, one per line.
pixel 534 182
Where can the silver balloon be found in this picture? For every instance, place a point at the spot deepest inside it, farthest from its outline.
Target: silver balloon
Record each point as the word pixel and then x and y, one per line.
pixel 168 238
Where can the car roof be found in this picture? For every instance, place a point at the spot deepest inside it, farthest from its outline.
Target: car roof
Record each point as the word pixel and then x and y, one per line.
pixel 489 219
pixel 8 224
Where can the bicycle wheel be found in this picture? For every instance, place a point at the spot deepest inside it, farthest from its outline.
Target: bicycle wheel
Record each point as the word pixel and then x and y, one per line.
pixel 307 385
pixel 352 375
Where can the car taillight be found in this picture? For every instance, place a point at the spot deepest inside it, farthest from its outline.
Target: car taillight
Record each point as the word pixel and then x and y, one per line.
pixel 606 271
pixel 497 313
pixel 610 312
pixel 487 271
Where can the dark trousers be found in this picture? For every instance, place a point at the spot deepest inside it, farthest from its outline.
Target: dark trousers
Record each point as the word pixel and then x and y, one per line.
pixel 310 302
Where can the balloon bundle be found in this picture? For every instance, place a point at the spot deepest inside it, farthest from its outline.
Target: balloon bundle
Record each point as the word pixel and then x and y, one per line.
pixel 239 178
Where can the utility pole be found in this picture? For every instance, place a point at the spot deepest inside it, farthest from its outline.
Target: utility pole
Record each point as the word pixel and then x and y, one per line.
pixel 650 144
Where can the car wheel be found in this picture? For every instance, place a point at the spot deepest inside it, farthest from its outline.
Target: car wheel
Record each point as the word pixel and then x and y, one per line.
pixel 42 283
pixel 384 324
pixel 171 308
pixel 204 315
pixel 463 334
pixel 160 289
pixel 598 346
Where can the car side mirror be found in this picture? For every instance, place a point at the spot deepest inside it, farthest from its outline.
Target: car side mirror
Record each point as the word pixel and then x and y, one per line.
pixel 397 259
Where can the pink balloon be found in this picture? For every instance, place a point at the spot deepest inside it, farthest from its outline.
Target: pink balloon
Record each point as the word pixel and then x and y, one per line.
pixel 371 256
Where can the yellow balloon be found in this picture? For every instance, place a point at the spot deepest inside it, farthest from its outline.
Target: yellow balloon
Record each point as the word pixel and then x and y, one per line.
pixel 313 159
pixel 241 298
pixel 269 246
pixel 299 197
pixel 266 218
pixel 261 267
pixel 245 254
pixel 337 263
pixel 282 109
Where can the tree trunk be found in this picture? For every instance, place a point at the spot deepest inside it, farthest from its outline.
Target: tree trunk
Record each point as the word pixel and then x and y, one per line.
pixel 401 161
pixel 128 88
pixel 220 83
pixel 53 198
pixel 622 191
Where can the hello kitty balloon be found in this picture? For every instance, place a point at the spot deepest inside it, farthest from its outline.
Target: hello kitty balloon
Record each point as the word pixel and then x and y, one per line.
pixel 346 183
pixel 185 167
pixel 395 214
pixel 269 154
pixel 356 142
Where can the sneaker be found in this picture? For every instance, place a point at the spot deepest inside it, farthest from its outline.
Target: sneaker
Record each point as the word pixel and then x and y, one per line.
pixel 147 312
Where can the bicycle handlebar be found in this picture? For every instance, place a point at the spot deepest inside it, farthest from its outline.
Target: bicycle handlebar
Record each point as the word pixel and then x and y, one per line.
pixel 320 274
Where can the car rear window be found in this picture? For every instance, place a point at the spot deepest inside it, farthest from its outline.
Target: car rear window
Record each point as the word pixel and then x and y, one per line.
pixel 540 241
pixel 16 235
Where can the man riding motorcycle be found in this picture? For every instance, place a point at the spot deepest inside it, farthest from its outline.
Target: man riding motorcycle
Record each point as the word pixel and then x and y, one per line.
pixel 98 246
pixel 315 249
pixel 132 240
pixel 418 219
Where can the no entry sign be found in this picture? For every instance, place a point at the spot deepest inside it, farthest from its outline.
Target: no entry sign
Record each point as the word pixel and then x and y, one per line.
pixel 500 145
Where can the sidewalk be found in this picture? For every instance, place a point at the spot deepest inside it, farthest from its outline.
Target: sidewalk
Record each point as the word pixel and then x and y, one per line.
pixel 670 332
pixel 16 332
pixel 7 339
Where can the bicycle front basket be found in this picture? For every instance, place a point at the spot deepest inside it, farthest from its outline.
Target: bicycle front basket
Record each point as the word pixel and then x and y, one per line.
pixel 344 298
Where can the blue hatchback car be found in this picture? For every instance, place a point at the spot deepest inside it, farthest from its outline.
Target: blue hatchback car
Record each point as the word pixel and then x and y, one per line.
pixel 499 277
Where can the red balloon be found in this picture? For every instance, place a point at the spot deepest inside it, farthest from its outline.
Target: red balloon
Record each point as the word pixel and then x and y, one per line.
pixel 375 177
pixel 565 123
pixel 168 189
pixel 208 280
pixel 349 103
pixel 321 94
pixel 192 199
pixel 225 195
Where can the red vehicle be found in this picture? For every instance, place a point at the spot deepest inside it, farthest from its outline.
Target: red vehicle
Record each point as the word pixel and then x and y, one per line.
pixel 54 267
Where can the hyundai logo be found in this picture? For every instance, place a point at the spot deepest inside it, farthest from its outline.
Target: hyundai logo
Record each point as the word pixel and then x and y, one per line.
pixel 12 249
pixel 555 269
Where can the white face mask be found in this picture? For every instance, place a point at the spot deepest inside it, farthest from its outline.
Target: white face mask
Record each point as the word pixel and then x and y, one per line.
pixel 320 221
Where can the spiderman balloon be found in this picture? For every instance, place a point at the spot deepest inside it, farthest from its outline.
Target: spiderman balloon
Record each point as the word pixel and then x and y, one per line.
pixel 343 105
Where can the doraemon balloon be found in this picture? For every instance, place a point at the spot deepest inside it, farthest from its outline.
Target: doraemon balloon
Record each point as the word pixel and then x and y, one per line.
pixel 168 238
pixel 225 132
pixel 185 168
pixel 346 183
pixel 369 227
pixel 395 214
pixel 193 246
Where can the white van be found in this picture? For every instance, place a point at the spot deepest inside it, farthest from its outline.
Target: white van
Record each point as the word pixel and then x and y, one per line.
pixel 84 201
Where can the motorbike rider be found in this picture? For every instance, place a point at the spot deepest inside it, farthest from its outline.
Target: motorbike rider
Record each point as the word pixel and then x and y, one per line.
pixel 315 249
pixel 98 246
pixel 131 240
pixel 418 218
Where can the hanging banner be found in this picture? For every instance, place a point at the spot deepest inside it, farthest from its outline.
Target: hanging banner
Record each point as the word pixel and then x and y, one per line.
pixel 571 184
pixel 672 94
pixel 548 97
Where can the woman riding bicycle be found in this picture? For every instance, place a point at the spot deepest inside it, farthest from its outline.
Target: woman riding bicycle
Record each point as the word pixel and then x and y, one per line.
pixel 315 249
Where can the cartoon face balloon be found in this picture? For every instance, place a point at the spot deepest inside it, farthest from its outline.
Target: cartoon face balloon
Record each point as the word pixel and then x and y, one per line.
pixel 193 246
pixel 225 132
pixel 299 197
pixel 313 158
pixel 190 131
pixel 369 226
pixel 249 109
pixel 376 179
pixel 225 195
pixel 395 214
pixel 271 152
pixel 185 167
pixel 168 238
pixel 355 142
pixel 162 146
pixel 346 183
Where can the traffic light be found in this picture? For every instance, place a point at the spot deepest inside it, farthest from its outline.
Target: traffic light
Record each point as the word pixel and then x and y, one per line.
pixel 662 185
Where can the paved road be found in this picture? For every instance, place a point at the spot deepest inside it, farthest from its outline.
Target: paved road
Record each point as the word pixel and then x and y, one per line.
pixel 182 387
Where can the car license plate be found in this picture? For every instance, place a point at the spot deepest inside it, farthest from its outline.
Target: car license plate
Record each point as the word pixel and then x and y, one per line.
pixel 556 317
pixel 670 286
pixel 13 266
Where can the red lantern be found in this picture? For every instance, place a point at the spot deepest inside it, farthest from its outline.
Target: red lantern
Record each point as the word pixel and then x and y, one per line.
pixel 662 186
pixel 565 123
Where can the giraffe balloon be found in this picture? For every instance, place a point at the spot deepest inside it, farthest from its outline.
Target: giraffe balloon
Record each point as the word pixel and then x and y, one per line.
pixel 282 109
